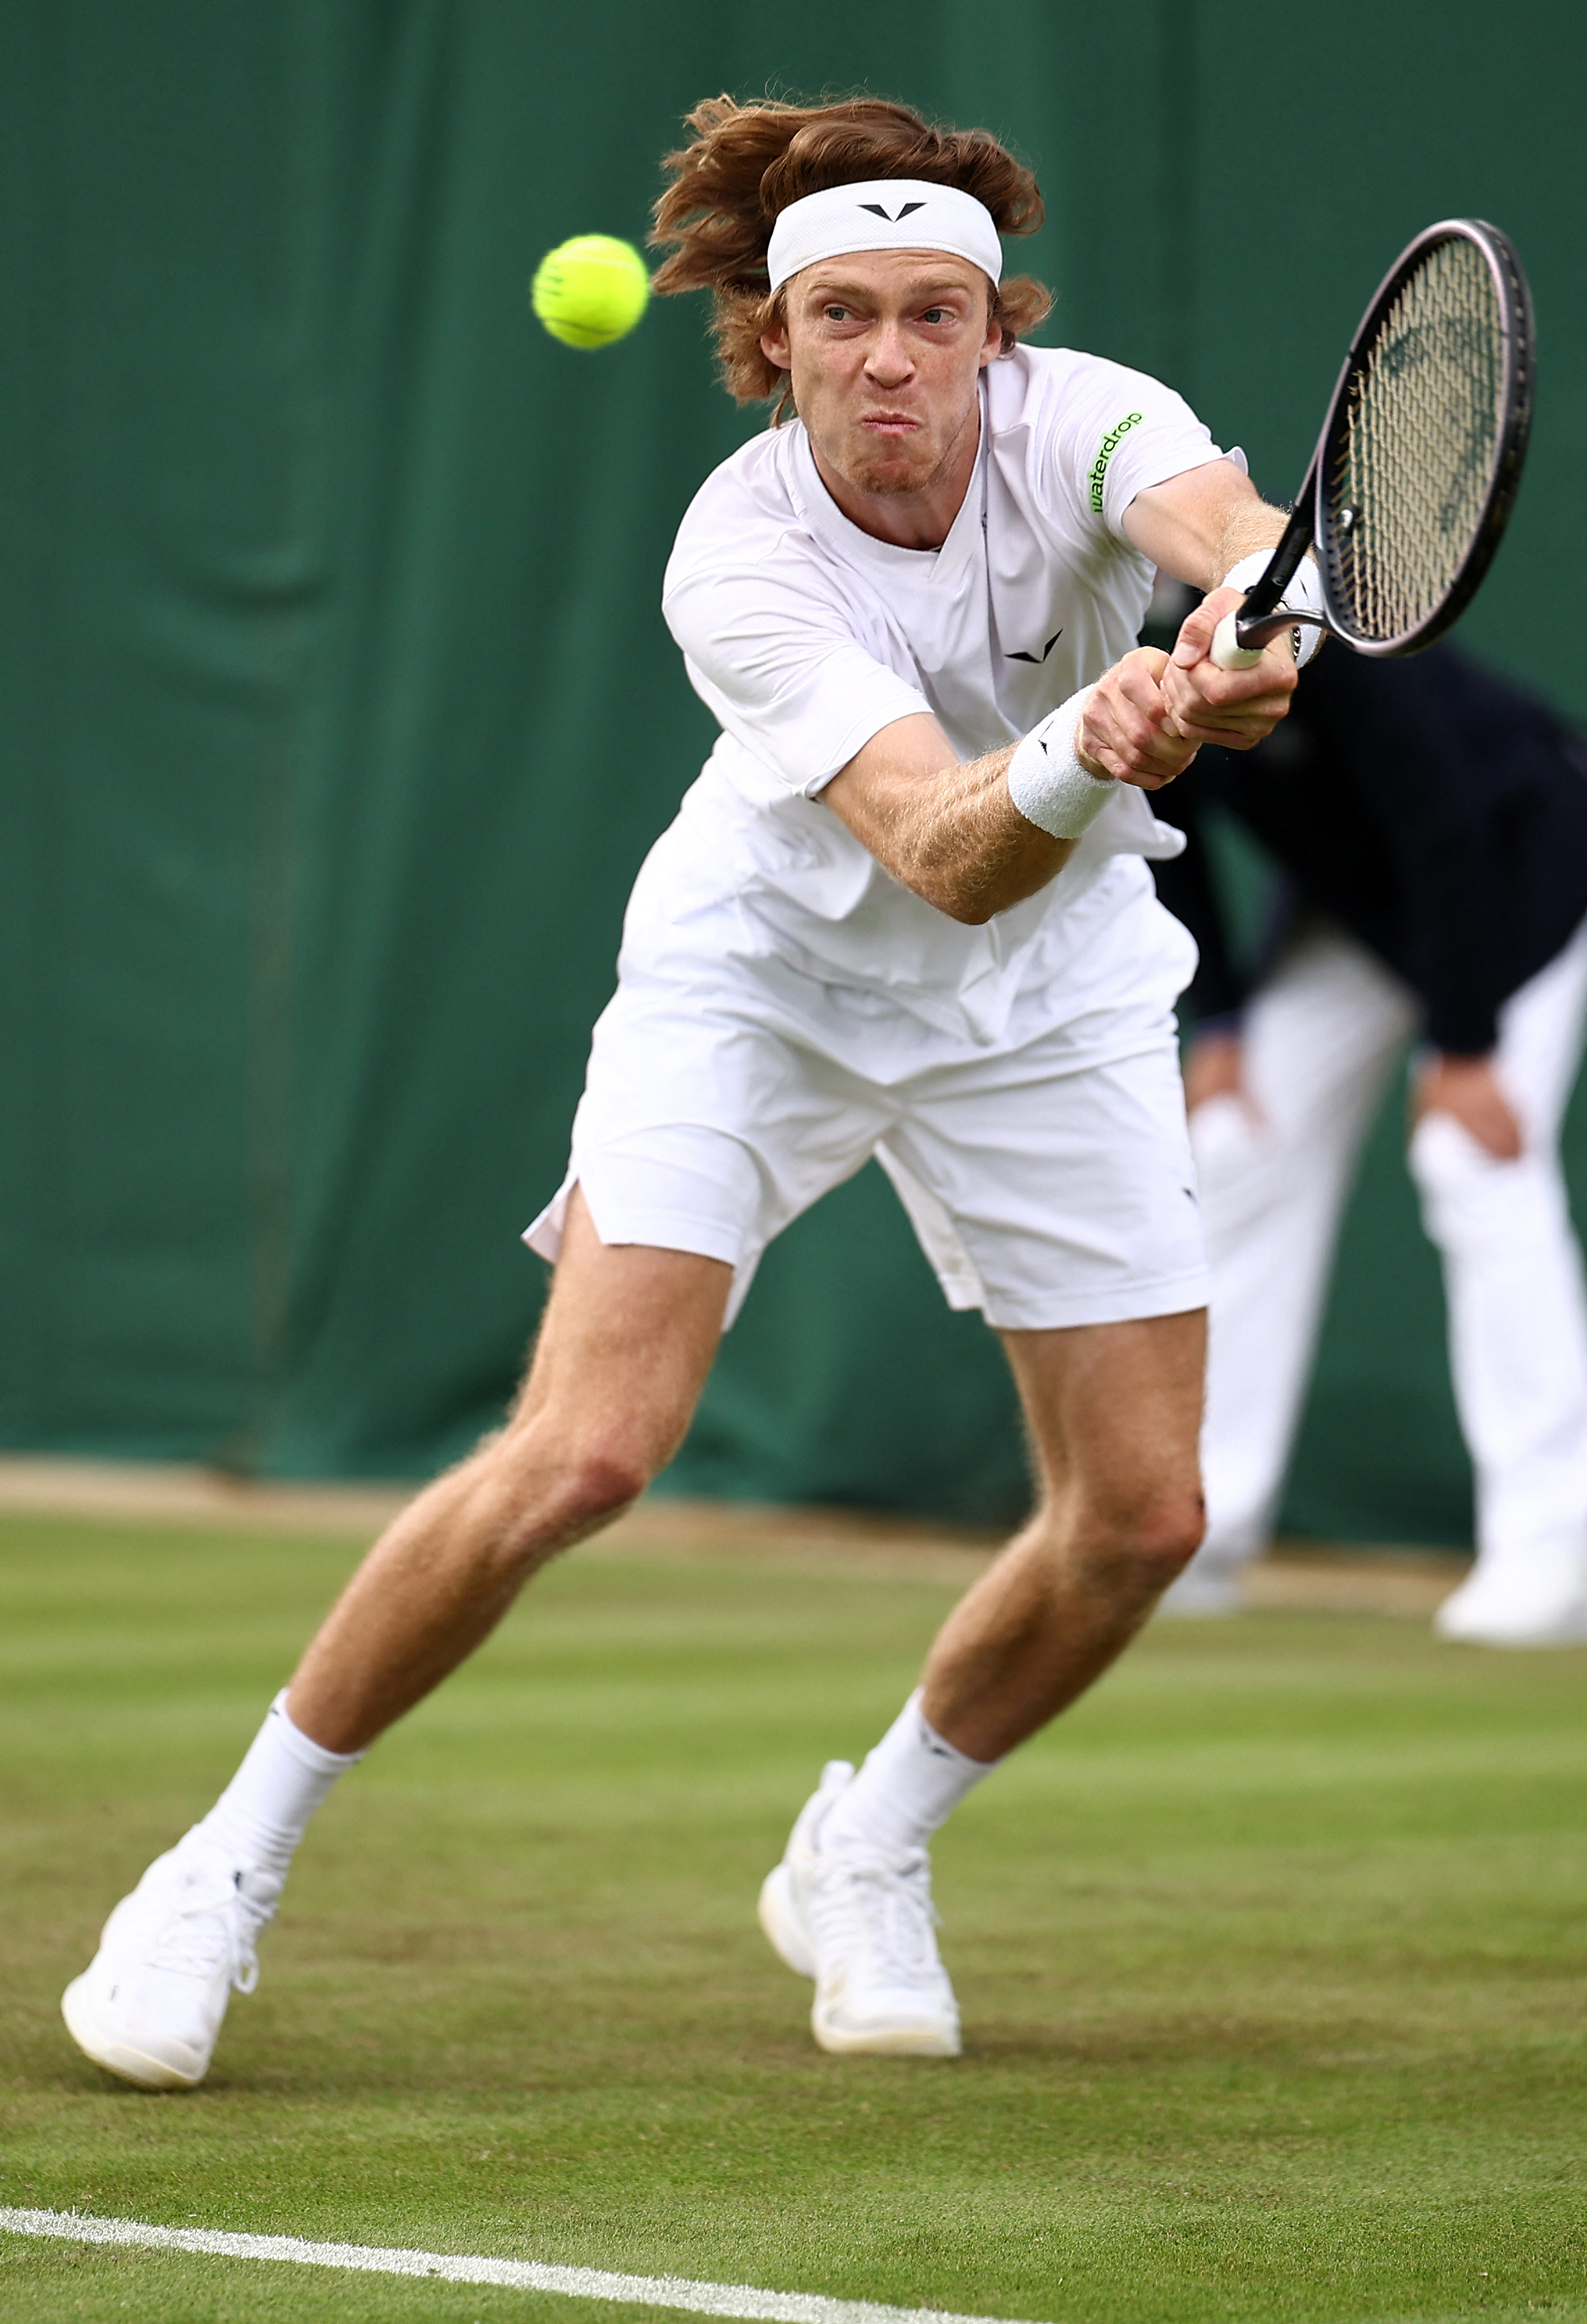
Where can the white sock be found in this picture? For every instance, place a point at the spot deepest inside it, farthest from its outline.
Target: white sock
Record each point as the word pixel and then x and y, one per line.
pixel 909 1784
pixel 265 1809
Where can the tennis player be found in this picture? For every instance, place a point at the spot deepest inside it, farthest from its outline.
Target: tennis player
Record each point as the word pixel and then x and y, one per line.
pixel 903 912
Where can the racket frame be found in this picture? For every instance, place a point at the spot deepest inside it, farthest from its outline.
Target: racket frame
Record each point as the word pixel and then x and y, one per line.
pixel 1258 619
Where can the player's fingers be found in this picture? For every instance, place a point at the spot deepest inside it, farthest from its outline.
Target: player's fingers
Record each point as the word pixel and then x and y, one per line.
pixel 1127 766
pixel 1130 741
pixel 1194 641
pixel 1249 702
pixel 1129 729
pixel 1134 714
pixel 1151 773
pixel 1231 689
pixel 1229 738
pixel 1140 685
pixel 1140 726
pixel 1183 699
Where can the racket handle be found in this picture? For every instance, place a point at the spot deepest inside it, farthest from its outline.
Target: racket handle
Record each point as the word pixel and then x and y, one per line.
pixel 1227 651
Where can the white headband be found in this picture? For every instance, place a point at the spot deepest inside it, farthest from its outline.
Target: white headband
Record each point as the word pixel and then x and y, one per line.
pixel 882 214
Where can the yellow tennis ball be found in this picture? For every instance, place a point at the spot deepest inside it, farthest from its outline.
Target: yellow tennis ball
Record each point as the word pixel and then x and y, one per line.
pixel 590 290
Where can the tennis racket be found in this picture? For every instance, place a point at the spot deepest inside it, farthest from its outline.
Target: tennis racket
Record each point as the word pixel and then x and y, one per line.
pixel 1416 471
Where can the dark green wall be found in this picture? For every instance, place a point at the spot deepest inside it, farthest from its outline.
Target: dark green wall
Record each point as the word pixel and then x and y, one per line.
pixel 339 711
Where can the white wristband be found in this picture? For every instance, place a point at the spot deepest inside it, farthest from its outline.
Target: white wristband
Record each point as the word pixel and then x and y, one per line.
pixel 1303 592
pixel 1045 779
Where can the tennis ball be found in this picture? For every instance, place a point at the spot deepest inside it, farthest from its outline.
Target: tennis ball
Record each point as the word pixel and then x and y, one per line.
pixel 590 290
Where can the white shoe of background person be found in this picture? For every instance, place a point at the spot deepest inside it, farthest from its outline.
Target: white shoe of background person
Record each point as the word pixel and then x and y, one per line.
pixel 861 1923
pixel 150 2002
pixel 1511 1602
pixel 1204 1591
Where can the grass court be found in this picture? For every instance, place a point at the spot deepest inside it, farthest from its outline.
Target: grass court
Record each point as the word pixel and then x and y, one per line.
pixel 1271 1959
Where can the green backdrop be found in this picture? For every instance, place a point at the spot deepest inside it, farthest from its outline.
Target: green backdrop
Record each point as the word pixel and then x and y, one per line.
pixel 338 711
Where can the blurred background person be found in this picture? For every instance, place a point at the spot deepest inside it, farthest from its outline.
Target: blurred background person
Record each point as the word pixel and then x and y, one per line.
pixel 1429 821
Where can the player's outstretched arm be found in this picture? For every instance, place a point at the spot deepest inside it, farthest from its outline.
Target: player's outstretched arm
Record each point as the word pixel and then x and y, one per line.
pixel 952 831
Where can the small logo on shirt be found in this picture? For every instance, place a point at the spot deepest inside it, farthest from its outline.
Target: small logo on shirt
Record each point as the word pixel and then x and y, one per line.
pixel 1104 453
pixel 876 210
pixel 1041 657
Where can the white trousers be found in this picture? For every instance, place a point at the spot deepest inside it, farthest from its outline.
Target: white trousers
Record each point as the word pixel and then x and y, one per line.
pixel 1321 1039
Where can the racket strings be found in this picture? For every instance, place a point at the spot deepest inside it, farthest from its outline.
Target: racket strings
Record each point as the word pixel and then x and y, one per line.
pixel 1409 482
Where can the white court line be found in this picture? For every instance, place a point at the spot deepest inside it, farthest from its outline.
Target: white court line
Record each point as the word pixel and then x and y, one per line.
pixel 738 2300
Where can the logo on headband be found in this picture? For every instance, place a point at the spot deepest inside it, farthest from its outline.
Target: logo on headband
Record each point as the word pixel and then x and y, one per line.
pixel 876 210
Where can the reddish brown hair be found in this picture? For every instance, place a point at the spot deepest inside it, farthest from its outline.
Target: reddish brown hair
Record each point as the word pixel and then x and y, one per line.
pixel 748 161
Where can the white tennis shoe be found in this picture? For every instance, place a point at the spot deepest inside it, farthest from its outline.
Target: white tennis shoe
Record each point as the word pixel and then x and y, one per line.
pixel 1517 1602
pixel 150 2003
pixel 863 1926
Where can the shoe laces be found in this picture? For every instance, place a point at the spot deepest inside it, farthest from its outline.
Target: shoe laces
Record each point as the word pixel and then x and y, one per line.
pixel 213 1921
pixel 882 1905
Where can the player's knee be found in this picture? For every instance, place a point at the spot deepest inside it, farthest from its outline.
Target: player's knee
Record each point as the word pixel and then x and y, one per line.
pixel 605 1478
pixel 1141 1540
pixel 589 1483
pixel 1172 1531
pixel 542 1489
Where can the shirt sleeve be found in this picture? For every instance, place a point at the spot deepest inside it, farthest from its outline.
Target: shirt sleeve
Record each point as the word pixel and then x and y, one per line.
pixel 1117 432
pixel 772 657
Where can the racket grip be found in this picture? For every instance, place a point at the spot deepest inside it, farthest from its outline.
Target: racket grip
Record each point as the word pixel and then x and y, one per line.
pixel 1228 652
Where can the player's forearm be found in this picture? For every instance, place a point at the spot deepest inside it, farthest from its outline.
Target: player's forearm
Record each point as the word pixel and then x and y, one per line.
pixel 1251 529
pixel 965 847
pixel 1199 525
pixel 951 833
pixel 974 839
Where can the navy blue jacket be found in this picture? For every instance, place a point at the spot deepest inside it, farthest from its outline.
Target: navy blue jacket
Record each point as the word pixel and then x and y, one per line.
pixel 1436 809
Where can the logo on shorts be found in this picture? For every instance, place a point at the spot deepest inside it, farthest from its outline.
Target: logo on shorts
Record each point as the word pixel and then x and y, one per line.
pixel 876 210
pixel 1104 453
pixel 1041 657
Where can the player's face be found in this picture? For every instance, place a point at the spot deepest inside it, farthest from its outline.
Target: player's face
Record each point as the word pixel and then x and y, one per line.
pixel 883 349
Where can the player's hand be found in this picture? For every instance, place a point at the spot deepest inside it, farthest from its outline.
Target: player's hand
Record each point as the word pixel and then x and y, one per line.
pixel 1235 707
pixel 1469 1088
pixel 1126 730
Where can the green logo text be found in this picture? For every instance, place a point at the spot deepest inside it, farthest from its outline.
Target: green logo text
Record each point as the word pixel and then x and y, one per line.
pixel 1104 453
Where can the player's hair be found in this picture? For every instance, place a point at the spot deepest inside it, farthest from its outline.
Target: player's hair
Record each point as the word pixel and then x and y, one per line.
pixel 748 161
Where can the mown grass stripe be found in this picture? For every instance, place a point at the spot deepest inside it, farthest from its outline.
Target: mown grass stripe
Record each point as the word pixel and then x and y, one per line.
pixel 737 2300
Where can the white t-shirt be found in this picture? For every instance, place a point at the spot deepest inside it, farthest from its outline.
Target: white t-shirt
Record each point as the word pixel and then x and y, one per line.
pixel 805 636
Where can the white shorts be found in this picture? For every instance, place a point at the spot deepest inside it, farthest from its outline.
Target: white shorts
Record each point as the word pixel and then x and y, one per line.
pixel 1048 1177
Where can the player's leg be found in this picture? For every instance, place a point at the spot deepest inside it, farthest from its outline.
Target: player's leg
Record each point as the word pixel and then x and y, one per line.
pixel 1113 1411
pixel 628 1336
pixel 1517 1326
pixel 1050 1181
pixel 1273 1170
pixel 627 1341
